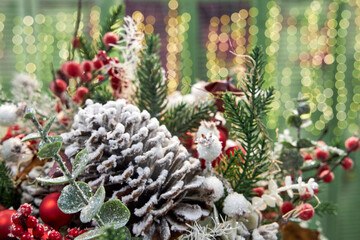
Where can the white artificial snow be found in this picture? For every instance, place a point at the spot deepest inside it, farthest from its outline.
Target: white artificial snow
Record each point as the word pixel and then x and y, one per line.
pixel 235 204
pixel 215 186
pixel 146 207
pixel 208 147
pixel 199 92
pixel 256 235
pixel 8 114
pixel 189 212
pixel 175 190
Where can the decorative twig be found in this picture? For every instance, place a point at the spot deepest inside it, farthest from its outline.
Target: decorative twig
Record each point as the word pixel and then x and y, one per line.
pixel 77 25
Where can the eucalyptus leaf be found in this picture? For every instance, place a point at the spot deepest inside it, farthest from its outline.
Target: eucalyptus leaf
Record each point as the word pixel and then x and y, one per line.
pixel 95 203
pixel 55 138
pixel 92 234
pixel 49 150
pixel 53 181
pixel 48 125
pixel 80 162
pixel 294 121
pixel 29 113
pixel 114 213
pixel 70 202
pixel 291 159
pixel 31 136
pixel 304 143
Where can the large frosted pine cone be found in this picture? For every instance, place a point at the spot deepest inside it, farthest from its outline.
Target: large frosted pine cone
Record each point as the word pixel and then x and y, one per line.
pixel 140 163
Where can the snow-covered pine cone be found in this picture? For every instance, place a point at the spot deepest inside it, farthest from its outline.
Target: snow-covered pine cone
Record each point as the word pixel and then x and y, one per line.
pixel 140 163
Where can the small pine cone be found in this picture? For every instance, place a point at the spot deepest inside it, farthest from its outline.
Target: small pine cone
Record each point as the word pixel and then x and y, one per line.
pixel 140 163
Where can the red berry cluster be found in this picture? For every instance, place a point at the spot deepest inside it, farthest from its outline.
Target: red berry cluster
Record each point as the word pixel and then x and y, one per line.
pixel 26 227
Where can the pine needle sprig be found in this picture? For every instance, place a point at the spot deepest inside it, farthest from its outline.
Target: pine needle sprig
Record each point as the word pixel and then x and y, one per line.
pixel 86 49
pixel 186 117
pixel 9 196
pixel 245 116
pixel 152 87
pixel 115 16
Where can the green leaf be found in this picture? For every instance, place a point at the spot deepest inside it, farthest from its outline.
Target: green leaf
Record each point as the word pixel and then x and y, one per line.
pixel 55 138
pixel 294 121
pixel 48 125
pixel 70 202
pixel 95 203
pixel 117 234
pixel 92 234
pixel 49 150
pixel 31 136
pixel 80 162
pixel 304 143
pixel 29 113
pixel 53 181
pixel 114 213
pixel 291 159
pixel 287 144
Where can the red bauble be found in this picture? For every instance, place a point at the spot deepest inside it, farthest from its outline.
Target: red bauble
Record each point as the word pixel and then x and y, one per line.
pixel 231 150
pixel 110 38
pixel 347 163
pixel 5 223
pixel 50 212
pixel 306 211
pixel 352 144
pixel 223 136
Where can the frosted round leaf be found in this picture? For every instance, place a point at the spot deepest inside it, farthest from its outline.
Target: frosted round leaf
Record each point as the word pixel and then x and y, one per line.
pixel 69 201
pixel 114 213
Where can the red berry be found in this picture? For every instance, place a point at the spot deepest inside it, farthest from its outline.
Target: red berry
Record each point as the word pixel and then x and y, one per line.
pixel 26 236
pixel 73 69
pixel 286 207
pixel 115 83
pixel 347 163
pixel 322 155
pixel 259 191
pixel 306 211
pixel 32 222
pixel 102 55
pixel 75 41
pixel 17 230
pixel 85 77
pixel 327 176
pixel 87 66
pixel 308 157
pixel 97 63
pixel 81 92
pixel 316 191
pixel 55 235
pixel 64 67
pixel 58 86
pixel 39 231
pixel 73 232
pixel 352 144
pixel 110 38
pixel 15 218
pixel 101 78
pixel 26 209
pixel 306 196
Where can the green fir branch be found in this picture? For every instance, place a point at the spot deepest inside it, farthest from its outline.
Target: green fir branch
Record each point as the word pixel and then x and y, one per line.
pixel 101 94
pixel 115 16
pixel 246 115
pixel 9 196
pixel 187 117
pixel 152 88
pixel 86 49
pixel 324 208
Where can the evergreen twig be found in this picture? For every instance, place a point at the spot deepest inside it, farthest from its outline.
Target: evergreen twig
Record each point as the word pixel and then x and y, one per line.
pixel 186 117
pixel 77 25
pixel 245 116
pixel 152 88
pixel 115 16
pixel 86 49
pixel 9 197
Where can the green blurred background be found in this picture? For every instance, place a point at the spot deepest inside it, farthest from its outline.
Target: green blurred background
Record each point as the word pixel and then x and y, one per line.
pixel 312 47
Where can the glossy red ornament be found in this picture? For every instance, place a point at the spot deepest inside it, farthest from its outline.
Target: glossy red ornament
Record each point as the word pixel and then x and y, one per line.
pixel 50 212
pixel 5 223
pixel 223 136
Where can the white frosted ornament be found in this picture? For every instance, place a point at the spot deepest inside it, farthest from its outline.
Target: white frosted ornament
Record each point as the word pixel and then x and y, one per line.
pixel 8 114
pixel 235 204
pixel 199 92
pixel 207 127
pixel 214 185
pixel 208 147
